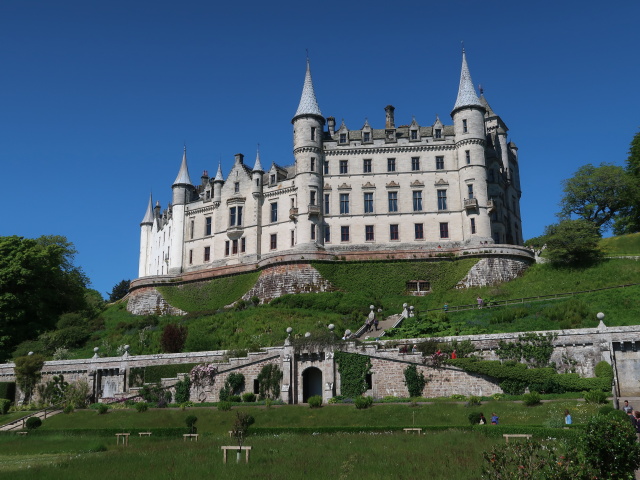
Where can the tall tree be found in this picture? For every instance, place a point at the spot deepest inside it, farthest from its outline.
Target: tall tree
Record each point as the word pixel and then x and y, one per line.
pixel 629 220
pixel 119 290
pixel 573 242
pixel 597 194
pixel 38 282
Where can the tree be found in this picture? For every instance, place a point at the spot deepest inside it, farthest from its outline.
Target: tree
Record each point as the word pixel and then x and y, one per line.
pixel 173 338
pixel 597 194
pixel 27 371
pixel 38 282
pixel 629 220
pixel 573 242
pixel 119 290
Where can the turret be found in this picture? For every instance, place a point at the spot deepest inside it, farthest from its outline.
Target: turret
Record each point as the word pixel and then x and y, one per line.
pixel 256 175
pixel 182 189
pixel 469 130
pixel 182 185
pixel 218 181
pixel 308 124
pixel 146 226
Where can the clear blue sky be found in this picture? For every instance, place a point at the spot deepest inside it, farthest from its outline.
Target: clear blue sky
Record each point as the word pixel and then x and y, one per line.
pixel 98 98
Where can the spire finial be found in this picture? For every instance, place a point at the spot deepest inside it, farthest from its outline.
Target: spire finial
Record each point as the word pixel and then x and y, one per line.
pixel 466 92
pixel 462 43
pixel 308 103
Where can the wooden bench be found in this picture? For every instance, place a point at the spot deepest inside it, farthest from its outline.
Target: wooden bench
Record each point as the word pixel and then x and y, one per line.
pixel 409 430
pixel 125 438
pixel 507 436
pixel 235 447
pixel 191 436
pixel 22 433
pixel 144 434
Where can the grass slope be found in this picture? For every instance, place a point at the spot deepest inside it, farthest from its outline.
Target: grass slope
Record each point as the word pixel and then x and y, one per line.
pixel 622 245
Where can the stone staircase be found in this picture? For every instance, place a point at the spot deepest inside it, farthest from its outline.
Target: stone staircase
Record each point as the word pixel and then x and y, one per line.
pixel 19 424
pixel 385 324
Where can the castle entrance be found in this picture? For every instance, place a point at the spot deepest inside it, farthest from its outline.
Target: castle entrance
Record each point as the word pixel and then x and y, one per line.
pixel 311 383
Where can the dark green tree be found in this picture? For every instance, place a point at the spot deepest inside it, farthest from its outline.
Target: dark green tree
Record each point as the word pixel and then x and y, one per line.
pixel 27 372
pixel 119 290
pixel 597 194
pixel 573 242
pixel 629 220
pixel 38 283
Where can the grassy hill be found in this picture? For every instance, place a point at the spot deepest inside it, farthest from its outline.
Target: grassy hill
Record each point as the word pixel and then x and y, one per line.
pixel 622 245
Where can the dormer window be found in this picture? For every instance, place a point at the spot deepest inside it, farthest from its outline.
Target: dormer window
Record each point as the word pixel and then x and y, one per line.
pixel 414 135
pixel 272 179
pixel 366 137
pixel 343 138
pixel 437 133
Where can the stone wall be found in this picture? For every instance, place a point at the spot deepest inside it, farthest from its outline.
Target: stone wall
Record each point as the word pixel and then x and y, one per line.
pixel 284 279
pixel 492 271
pixel 149 301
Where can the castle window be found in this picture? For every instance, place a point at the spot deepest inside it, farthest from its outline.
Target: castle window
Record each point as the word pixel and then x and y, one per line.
pixel 272 179
pixel 464 126
pixel 394 234
pixel 191 228
pixel 442 199
pixel 368 233
pixel 326 203
pixel 444 230
pixel 313 133
pixel 419 230
pixel 393 201
pixel 293 238
pixel 236 187
pixel 366 165
pixel 470 190
pixel 327 233
pixel 343 138
pixel 243 245
pixel 467 155
pixel 438 133
pixel 326 167
pixel 473 225
pixel 313 232
pixel 226 248
pixel 344 203
pixel 312 197
pixel 207 254
pixel 366 137
pixel 439 163
pixel 274 241
pixel 414 134
pixel 313 164
pixel 232 216
pixel 257 182
pixel 417 201
pixel 207 194
pixel 190 257
pixel 391 164
pixel 207 226
pixel 274 212
pixel 344 166
pixel 415 163
pixel 344 234
pixel 368 202
pixel 234 247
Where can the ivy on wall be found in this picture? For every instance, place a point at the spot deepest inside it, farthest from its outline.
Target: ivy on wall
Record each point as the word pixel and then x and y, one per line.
pixel 532 348
pixel 353 369
pixel 414 380
pixel 269 381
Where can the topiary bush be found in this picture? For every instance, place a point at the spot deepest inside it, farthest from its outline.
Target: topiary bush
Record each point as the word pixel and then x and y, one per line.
pixel 363 402
pixel 141 407
pixel 531 399
pixel 248 397
pixel 4 405
pixel 315 401
pixel 102 408
pixel 33 423
pixel 595 396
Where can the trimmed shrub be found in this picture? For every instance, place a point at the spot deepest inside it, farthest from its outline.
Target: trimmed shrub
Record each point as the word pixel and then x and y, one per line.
pixel 224 406
pixel 141 407
pixel 102 408
pixel 33 423
pixel 235 398
pixel 531 399
pixel 363 402
pixel 248 397
pixel 315 401
pixel 474 401
pixel 68 409
pixel 595 396
pixel 4 406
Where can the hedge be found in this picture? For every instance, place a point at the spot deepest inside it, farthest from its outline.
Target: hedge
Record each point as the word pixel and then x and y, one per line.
pixel 8 390
pixel 110 432
pixel 519 372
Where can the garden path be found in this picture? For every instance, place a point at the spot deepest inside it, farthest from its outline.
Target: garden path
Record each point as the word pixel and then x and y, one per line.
pixel 18 424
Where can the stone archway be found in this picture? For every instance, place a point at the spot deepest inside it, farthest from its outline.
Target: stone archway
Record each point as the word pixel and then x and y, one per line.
pixel 311 383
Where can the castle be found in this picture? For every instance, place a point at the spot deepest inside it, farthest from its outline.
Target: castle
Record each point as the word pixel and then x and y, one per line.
pixel 400 187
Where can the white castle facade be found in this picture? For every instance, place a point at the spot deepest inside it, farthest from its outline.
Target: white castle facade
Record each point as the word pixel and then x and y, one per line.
pixel 405 187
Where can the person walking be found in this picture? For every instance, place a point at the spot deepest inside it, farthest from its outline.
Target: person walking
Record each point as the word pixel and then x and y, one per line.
pixel 567 418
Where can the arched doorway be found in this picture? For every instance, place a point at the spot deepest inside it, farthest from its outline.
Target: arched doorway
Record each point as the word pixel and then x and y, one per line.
pixel 311 383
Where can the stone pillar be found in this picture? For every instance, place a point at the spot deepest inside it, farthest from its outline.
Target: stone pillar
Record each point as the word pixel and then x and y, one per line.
pixel 288 372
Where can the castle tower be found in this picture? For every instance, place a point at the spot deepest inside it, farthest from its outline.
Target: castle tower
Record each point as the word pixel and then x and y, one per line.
pixel 145 240
pixel 182 189
pixel 256 177
pixel 218 181
pixel 469 129
pixel 308 124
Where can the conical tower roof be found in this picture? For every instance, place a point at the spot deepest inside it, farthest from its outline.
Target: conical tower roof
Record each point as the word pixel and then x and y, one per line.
pixel 258 166
pixel 148 216
pixel 219 177
pixel 467 96
pixel 183 174
pixel 487 107
pixel 308 103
